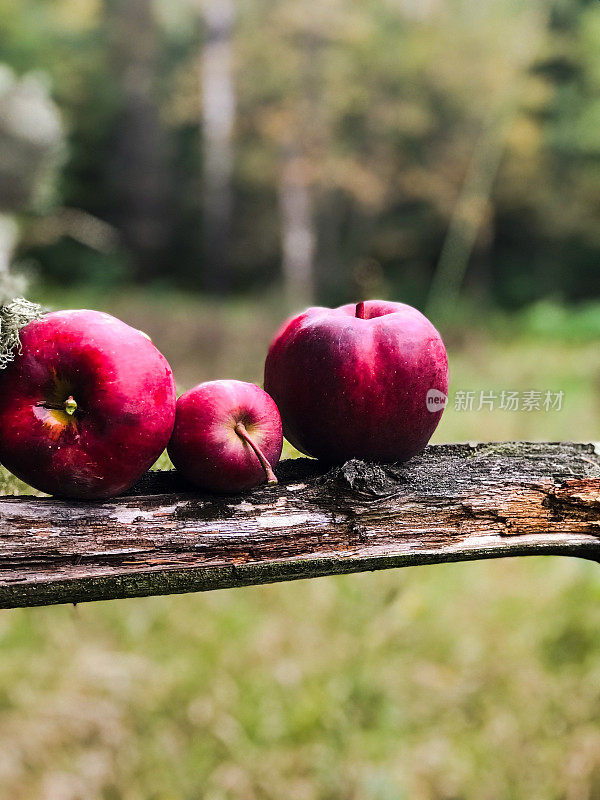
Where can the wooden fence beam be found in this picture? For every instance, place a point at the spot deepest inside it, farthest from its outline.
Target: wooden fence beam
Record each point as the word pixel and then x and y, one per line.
pixel 452 503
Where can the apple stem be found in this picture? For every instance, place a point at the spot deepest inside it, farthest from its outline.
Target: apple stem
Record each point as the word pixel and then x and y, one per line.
pixel 241 431
pixel 360 310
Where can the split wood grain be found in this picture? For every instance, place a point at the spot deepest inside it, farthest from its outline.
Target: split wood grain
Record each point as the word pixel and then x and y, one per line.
pixel 452 503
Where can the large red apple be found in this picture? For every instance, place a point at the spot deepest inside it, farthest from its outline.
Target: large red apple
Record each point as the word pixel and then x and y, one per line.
pixel 227 436
pixel 360 381
pixel 86 407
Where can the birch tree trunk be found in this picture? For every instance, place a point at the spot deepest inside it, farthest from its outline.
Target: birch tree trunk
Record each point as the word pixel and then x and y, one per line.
pixel 218 118
pixel 297 232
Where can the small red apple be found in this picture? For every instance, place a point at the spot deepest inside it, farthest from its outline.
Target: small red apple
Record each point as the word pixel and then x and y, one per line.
pixel 227 436
pixel 360 381
pixel 86 407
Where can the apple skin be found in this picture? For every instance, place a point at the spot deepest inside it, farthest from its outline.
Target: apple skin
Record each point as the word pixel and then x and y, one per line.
pixel 205 447
pixel 350 387
pixel 125 395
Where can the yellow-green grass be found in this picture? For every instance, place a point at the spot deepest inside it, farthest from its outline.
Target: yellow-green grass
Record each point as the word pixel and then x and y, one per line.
pixel 459 682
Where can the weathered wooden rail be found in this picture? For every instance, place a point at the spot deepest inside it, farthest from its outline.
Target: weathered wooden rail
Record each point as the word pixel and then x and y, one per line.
pixel 452 503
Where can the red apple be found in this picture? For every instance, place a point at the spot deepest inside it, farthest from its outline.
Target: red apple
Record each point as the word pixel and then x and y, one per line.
pixel 360 381
pixel 227 436
pixel 86 407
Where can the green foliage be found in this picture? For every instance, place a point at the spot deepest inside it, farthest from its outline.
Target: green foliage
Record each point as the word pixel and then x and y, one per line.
pixel 9 485
pixel 564 323
pixel 385 105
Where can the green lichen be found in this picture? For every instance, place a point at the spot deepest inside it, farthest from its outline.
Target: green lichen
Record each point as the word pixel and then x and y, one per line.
pixel 13 316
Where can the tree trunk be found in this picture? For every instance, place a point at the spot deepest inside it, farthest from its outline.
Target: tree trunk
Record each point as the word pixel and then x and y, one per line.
pixel 452 503
pixel 297 232
pixel 139 172
pixel 218 117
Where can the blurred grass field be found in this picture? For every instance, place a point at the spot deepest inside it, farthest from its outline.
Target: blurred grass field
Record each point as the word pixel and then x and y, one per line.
pixel 471 681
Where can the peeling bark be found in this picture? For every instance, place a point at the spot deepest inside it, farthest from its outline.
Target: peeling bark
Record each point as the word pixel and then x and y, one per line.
pixel 452 503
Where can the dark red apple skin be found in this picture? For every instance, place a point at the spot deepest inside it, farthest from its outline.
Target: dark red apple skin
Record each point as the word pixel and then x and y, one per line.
pixel 206 449
pixel 357 388
pixel 125 396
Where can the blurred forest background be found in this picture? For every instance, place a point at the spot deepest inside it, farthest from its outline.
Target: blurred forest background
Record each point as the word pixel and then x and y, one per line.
pixel 411 148
pixel 200 168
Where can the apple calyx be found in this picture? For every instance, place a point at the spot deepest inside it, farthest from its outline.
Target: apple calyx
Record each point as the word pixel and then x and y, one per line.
pixel 69 405
pixel 360 310
pixel 241 431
